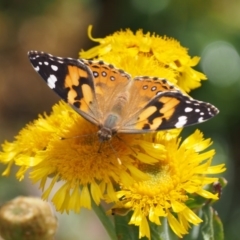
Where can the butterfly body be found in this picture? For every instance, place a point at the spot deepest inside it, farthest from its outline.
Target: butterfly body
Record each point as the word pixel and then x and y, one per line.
pixel 109 98
pixel 108 129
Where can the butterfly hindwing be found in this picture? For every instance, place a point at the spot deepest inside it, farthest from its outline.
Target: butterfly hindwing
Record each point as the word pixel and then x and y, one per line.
pixel 144 89
pixel 109 83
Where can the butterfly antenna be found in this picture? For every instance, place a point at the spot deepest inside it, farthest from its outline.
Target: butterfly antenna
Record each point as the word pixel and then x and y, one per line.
pixel 118 159
pixel 78 136
pixel 100 146
pixel 126 144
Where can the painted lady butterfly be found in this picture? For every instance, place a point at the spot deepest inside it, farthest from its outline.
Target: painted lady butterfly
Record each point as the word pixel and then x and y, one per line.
pixel 116 103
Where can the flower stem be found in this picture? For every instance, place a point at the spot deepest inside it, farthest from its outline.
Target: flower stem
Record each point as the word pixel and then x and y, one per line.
pixel 105 220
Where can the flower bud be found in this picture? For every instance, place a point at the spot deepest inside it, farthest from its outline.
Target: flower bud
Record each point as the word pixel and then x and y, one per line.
pixel 25 218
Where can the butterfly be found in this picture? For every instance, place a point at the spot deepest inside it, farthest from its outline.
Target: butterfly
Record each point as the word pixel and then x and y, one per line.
pixel 114 101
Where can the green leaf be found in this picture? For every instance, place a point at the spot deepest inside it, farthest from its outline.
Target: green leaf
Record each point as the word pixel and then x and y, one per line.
pixel 211 228
pixel 161 232
pixel 195 202
pixel 124 230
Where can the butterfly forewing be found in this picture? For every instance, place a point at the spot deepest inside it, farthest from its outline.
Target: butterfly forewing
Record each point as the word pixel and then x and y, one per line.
pixel 168 110
pixel 71 79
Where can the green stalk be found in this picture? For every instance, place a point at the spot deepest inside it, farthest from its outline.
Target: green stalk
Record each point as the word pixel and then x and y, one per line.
pixel 105 220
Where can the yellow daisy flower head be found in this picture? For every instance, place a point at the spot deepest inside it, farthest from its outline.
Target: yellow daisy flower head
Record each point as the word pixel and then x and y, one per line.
pixel 56 148
pixel 158 57
pixel 180 173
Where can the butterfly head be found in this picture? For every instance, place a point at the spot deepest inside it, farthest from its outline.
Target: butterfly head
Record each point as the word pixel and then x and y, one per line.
pixel 105 134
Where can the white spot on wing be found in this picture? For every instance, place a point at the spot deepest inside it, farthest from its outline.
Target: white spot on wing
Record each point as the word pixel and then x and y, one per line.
pixel 95 74
pixel 181 122
pixel 54 67
pixel 37 68
pixel 200 119
pixel 51 81
pixel 188 109
pixel 46 63
pixel 197 110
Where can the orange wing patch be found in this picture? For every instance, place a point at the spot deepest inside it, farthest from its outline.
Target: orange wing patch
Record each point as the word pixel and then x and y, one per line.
pixel 146 88
pixel 80 93
pixel 74 73
pixel 152 116
pixel 87 98
pixel 169 106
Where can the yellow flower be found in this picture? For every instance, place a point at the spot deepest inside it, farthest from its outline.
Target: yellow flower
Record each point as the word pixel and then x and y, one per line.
pixel 158 57
pixel 64 146
pixel 180 172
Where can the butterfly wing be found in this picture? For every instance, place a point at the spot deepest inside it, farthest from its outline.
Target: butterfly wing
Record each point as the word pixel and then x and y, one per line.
pixel 109 83
pixel 144 89
pixel 71 79
pixel 88 86
pixel 167 109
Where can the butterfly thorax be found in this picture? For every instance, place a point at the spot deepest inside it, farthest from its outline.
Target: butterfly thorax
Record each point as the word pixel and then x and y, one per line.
pixel 111 123
pixel 108 129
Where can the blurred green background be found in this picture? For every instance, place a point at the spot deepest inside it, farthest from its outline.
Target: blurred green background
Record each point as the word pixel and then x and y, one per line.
pixel 208 28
